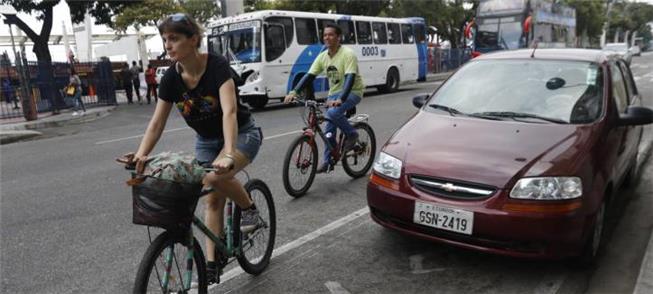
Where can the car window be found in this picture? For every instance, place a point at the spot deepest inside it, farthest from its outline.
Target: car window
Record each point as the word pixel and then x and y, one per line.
pixel 630 83
pixel 618 88
pixel 568 91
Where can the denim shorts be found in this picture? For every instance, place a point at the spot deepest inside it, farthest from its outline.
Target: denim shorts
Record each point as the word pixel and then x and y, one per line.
pixel 248 142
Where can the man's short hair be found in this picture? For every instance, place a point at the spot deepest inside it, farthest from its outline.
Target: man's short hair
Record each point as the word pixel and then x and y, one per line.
pixel 335 27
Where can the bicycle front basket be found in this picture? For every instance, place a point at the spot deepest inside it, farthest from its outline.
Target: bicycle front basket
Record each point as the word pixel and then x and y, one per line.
pixel 163 203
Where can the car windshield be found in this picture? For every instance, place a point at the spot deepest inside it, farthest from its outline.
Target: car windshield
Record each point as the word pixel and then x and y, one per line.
pixel 616 47
pixel 238 46
pixel 526 90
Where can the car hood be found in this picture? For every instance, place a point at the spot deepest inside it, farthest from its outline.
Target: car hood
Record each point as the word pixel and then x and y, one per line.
pixel 487 152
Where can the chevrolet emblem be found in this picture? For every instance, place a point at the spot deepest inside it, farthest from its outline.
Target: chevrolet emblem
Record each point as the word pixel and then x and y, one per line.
pixel 449 187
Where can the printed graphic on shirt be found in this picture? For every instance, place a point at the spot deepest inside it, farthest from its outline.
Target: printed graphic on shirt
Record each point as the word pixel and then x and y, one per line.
pixel 197 107
pixel 332 75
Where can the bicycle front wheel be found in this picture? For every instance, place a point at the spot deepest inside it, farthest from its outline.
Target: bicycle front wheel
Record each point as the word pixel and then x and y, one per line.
pixel 358 160
pixel 256 246
pixel 299 166
pixel 165 267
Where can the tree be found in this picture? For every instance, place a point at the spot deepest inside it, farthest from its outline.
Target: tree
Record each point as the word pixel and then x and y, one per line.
pixel 353 7
pixel 101 10
pixel 148 12
pixel 590 16
pixel 630 17
pixel 448 17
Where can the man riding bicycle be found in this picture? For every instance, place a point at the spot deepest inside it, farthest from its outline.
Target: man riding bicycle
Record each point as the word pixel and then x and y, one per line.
pixel 345 89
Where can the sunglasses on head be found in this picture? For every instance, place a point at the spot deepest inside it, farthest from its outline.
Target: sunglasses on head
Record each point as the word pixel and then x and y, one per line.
pixel 177 17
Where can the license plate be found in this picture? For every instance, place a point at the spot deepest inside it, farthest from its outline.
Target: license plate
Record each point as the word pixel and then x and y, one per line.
pixel 445 218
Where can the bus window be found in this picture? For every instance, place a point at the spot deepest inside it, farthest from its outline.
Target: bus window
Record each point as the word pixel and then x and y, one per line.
pixel 274 41
pixel 347 27
pixel 364 32
pixel 287 24
pixel 394 36
pixel 379 33
pixel 420 35
pixel 321 24
pixel 407 34
pixel 305 28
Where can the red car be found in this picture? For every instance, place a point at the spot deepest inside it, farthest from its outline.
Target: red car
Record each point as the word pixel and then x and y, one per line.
pixel 518 153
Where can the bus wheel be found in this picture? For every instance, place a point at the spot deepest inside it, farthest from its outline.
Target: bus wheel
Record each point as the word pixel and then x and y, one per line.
pixel 258 102
pixel 391 82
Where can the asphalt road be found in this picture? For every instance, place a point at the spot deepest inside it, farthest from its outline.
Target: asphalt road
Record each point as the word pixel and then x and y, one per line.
pixel 66 219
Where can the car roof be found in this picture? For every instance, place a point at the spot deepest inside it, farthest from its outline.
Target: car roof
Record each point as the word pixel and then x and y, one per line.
pixel 571 54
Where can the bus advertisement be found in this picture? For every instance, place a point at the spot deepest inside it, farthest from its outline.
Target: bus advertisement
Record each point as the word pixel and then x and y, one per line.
pixel 273 49
pixel 514 24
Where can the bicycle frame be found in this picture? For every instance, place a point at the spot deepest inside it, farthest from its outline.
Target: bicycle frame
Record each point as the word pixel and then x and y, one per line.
pixel 313 121
pixel 226 247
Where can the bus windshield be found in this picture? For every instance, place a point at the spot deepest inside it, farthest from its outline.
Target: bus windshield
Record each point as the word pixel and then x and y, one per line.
pixel 238 46
pixel 500 33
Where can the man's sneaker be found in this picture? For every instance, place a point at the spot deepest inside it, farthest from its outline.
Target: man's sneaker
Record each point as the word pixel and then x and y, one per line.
pixel 250 221
pixel 350 141
pixel 75 113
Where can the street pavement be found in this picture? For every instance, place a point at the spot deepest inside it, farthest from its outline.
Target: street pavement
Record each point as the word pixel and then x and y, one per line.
pixel 70 231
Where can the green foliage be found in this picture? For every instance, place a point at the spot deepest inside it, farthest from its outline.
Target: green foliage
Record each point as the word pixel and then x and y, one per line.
pixel 631 17
pixel 353 7
pixel 149 12
pixel 590 17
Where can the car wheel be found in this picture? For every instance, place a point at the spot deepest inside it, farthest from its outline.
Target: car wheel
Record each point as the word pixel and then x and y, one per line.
pixel 593 244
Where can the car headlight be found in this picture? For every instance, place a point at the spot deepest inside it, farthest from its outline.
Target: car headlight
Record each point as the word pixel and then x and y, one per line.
pixel 547 188
pixel 388 165
pixel 253 77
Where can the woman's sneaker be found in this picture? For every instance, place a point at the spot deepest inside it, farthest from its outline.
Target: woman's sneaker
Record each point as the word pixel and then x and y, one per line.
pixel 250 220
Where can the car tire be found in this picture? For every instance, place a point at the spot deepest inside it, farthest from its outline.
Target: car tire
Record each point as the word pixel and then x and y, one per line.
pixel 592 246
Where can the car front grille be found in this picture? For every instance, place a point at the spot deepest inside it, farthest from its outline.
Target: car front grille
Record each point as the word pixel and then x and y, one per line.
pixel 451 189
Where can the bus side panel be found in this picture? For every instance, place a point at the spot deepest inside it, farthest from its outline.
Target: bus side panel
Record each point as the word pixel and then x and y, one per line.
pixel 301 66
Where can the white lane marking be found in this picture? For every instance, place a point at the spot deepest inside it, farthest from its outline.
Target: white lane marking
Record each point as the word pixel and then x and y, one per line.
pixel 335 288
pixel 177 129
pixel 416 267
pixel 138 136
pixel 301 241
pixel 281 135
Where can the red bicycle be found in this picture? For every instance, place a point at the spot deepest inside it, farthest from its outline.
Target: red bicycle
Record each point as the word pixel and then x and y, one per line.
pixel 300 163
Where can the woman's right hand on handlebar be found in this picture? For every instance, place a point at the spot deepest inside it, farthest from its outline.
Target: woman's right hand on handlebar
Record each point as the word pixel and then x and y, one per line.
pixel 132 160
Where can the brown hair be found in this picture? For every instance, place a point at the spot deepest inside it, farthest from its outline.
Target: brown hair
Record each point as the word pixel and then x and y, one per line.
pixel 181 23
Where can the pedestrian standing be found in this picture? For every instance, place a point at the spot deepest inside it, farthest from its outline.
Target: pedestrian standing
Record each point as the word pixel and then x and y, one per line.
pixel 136 70
pixel 8 92
pixel 150 79
pixel 74 90
pixel 126 76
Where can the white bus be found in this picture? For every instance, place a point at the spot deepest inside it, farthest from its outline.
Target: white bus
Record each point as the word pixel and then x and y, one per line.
pixel 273 49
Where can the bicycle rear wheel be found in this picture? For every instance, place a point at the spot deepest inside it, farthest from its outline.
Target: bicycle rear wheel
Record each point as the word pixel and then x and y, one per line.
pixel 169 252
pixel 299 166
pixel 256 246
pixel 357 161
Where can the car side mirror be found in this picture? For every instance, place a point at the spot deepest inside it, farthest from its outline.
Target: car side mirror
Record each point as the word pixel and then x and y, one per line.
pixel 420 99
pixel 635 116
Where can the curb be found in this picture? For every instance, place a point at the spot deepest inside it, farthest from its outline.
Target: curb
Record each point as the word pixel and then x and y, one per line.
pixel 20 131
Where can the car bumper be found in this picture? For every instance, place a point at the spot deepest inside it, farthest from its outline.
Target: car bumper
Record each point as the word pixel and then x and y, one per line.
pixel 530 235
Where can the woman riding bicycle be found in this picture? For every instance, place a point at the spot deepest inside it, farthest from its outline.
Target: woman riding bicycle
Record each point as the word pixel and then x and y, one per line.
pixel 345 89
pixel 201 87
